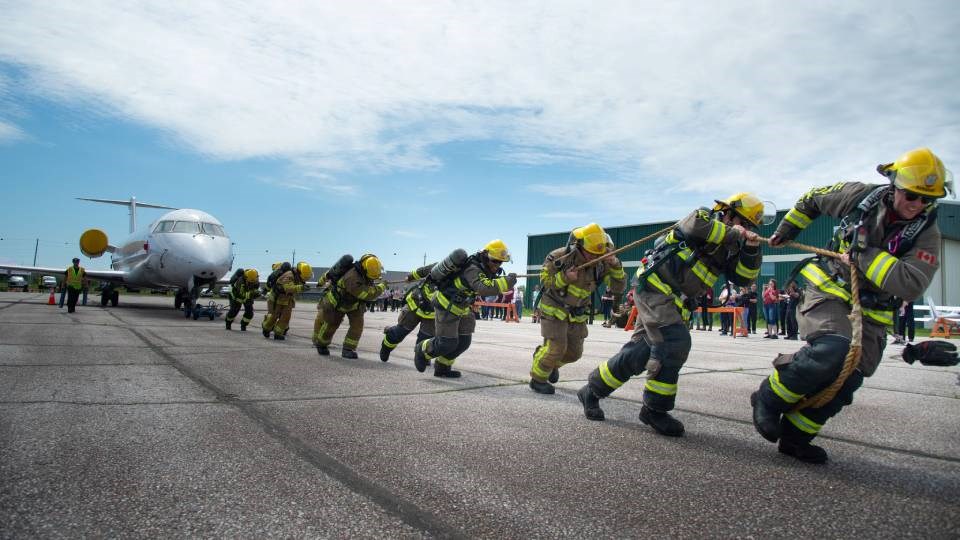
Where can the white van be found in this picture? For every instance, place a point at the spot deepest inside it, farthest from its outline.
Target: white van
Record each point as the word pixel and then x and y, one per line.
pixel 16 282
pixel 48 282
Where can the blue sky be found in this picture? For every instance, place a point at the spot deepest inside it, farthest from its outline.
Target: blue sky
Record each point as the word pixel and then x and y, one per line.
pixel 412 128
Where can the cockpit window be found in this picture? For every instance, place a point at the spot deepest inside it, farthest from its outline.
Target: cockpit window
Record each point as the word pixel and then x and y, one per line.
pixel 191 227
pixel 163 226
pixel 213 229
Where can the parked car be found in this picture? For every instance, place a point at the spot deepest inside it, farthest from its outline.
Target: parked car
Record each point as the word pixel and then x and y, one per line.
pixel 48 282
pixel 17 282
pixel 206 291
pixel 225 291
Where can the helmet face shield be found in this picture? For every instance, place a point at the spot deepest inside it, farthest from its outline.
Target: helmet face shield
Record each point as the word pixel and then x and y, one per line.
pixel 305 270
pixel 372 266
pixel 596 242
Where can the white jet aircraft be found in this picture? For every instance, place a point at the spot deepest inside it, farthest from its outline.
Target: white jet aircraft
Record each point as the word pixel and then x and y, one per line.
pixel 184 249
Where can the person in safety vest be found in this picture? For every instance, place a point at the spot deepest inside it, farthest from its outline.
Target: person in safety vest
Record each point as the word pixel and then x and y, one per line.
pixel 460 278
pixel 683 264
pixel 347 294
pixel 889 232
pixel 244 287
pixel 75 281
pixel 566 297
pixel 292 281
pixel 417 310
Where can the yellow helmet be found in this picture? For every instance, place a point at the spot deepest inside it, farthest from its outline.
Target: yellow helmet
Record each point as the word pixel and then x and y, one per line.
pixel 252 276
pixel 593 239
pixel 305 270
pixel 372 266
pixel 919 171
pixel 747 205
pixel 497 250
pixel 276 265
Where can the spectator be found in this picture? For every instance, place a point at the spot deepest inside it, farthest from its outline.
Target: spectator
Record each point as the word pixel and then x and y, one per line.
pixel 793 300
pixel 706 302
pixel 754 308
pixel 606 304
pixel 518 303
pixel 771 297
pixel 728 298
pixel 906 325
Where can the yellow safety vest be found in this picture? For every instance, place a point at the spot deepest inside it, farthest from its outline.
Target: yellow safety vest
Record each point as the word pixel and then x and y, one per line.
pixel 75 277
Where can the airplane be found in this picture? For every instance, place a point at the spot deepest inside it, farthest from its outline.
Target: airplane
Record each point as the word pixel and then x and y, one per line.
pixel 185 249
pixel 936 313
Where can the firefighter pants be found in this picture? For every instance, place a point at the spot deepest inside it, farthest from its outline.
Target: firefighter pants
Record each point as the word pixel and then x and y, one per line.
pixel 452 336
pixel 827 330
pixel 279 319
pixel 235 309
pixel 407 322
pixel 660 345
pixel 329 319
pixel 562 344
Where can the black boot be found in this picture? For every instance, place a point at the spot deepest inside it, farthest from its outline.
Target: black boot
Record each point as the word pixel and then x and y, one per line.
pixel 443 370
pixel 767 411
pixel 228 324
pixel 661 422
pixel 420 358
pixel 266 333
pixel 796 443
pixel 590 402
pixel 243 327
pixel 554 375
pixel 349 354
pixel 279 337
pixel 541 387
pixel 322 350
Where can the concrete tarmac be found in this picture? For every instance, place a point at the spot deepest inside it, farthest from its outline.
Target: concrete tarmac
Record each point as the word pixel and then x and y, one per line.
pixel 135 422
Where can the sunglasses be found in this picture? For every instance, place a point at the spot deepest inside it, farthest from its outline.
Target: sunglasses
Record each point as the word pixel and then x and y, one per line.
pixel 910 196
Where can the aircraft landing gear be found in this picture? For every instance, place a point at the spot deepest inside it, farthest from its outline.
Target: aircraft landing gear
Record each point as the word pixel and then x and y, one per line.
pixel 109 294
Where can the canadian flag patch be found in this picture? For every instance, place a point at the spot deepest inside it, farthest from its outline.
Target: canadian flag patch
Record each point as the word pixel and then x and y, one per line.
pixel 927 257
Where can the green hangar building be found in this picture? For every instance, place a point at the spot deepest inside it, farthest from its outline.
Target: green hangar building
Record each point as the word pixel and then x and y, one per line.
pixel 777 263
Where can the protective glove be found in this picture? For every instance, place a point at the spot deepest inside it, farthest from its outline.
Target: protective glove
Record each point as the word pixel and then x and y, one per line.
pixel 931 353
pixel 410 277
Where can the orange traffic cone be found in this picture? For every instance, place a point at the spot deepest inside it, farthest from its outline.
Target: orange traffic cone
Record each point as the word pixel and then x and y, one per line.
pixel 51 301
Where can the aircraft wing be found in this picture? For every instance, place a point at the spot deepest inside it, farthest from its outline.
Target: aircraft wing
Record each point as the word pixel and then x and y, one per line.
pixel 116 276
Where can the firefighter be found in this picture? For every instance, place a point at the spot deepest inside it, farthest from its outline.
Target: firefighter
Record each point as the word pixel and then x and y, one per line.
pixel 268 288
pixel 244 287
pixel 889 233
pixel 684 263
pixel 417 310
pixel 347 294
pixel 292 280
pixel 460 278
pixel 566 297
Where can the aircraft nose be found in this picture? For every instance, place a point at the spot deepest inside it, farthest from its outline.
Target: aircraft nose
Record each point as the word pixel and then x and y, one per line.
pixel 212 256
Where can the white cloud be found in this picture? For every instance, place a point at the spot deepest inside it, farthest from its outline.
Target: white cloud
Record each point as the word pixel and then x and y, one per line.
pixel 690 97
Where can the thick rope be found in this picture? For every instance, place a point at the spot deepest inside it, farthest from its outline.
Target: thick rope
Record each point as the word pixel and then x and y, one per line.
pixel 852 360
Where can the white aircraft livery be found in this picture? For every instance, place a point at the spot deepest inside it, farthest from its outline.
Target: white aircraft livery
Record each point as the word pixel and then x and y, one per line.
pixel 183 249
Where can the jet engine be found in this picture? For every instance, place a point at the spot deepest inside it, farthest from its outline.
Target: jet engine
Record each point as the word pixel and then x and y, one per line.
pixel 93 242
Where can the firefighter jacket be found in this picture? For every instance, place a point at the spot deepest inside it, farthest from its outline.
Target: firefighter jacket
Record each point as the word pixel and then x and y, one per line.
pixel 895 258
pixel 241 291
pixel 562 300
pixel 457 291
pixel 419 296
pixel 346 293
pixel 288 285
pixel 698 250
